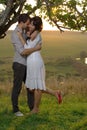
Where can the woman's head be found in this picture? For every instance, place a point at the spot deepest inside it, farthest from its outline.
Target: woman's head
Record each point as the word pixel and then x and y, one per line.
pixel 36 24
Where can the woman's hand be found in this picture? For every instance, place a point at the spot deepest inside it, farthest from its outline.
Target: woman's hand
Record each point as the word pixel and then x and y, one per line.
pixel 38 47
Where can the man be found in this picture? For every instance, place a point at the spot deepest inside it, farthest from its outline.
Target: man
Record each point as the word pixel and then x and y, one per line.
pixel 19 64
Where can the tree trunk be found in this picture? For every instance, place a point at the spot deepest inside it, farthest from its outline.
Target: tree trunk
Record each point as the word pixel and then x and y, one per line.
pixel 10 15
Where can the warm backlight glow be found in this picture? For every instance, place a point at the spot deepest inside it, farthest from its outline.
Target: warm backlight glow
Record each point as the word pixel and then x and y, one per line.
pixel 54 10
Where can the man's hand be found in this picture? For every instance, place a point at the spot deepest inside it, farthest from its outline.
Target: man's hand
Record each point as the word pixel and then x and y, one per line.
pixel 38 47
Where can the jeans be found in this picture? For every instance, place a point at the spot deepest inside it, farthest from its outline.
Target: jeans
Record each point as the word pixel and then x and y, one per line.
pixel 19 74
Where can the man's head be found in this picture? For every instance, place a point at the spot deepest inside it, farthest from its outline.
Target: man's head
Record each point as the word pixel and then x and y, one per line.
pixel 24 20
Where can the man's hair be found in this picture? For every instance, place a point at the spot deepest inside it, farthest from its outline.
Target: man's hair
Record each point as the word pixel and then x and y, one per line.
pixel 23 18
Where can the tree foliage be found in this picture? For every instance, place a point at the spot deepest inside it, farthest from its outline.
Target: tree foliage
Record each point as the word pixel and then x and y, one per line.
pixel 65 14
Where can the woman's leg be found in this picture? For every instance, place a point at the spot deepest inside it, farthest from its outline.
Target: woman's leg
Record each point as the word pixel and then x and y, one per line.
pixel 37 99
pixel 49 91
pixel 55 93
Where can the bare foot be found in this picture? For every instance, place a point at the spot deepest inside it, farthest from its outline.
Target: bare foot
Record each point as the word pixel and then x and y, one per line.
pixel 58 96
pixel 34 111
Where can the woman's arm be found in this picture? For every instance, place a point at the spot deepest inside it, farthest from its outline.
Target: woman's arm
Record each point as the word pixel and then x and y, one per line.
pixel 21 38
pixel 33 35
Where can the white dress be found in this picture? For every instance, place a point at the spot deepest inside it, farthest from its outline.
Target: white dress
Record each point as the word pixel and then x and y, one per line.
pixel 35 78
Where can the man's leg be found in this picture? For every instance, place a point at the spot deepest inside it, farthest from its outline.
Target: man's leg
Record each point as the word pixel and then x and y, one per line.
pixel 19 71
pixel 30 96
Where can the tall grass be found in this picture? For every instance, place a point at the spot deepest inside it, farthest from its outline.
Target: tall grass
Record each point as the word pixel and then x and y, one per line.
pixel 71 114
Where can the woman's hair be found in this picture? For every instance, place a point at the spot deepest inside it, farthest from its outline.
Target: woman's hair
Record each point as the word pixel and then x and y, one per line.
pixel 37 22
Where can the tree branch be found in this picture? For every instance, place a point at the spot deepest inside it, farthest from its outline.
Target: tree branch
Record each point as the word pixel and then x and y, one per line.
pixel 48 5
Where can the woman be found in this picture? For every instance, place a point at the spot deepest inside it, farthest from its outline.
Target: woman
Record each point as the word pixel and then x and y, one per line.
pixel 35 79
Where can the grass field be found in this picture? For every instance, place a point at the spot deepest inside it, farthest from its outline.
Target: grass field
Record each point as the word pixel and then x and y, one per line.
pixel 63 45
pixel 55 44
pixel 56 51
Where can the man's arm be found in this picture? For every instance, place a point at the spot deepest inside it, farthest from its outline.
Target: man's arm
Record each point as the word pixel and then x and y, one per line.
pixel 20 47
pixel 31 50
pixel 21 38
